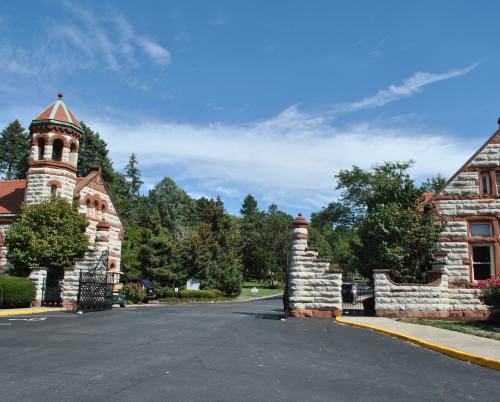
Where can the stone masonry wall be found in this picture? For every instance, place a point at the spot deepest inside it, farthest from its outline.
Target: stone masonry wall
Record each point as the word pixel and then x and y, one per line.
pixel 110 216
pixel 314 289
pixel 4 263
pixel 410 300
pixel 38 184
pixel 435 299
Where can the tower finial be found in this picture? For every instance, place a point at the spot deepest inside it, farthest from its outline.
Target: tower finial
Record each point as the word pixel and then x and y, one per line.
pixel 60 94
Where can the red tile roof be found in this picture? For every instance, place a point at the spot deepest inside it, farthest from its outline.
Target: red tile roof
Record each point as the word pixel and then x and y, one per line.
pixel 428 195
pixel 58 112
pixel 11 196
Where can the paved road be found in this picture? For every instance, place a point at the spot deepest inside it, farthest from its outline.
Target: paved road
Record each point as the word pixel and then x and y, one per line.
pixel 222 352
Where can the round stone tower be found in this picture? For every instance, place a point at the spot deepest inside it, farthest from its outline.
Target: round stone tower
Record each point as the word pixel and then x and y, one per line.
pixel 55 136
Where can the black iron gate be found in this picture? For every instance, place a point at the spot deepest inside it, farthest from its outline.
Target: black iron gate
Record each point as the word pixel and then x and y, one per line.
pixel 52 287
pixel 95 290
pixel 357 299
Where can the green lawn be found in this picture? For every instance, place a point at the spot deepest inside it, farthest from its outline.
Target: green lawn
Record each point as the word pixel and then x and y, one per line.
pixel 478 328
pixel 264 291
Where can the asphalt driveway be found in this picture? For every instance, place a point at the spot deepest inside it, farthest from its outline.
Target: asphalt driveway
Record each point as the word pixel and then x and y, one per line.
pixel 222 352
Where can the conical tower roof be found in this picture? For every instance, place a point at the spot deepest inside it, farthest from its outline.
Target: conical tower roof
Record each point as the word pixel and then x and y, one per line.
pixel 58 113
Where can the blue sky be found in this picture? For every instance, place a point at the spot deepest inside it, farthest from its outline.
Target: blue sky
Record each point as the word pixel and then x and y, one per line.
pixel 261 97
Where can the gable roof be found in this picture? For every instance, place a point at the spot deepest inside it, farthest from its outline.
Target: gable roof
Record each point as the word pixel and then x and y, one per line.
pixel 493 139
pixel 58 113
pixel 11 196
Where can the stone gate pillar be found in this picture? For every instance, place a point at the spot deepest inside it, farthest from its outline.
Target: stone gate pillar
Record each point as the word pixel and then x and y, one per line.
pixel 314 288
pixel 38 275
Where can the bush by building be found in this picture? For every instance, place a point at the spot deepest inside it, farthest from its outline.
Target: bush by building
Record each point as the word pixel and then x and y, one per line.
pixel 133 292
pixel 490 294
pixel 17 292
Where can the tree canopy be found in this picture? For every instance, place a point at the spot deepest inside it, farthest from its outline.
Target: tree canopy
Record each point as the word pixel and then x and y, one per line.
pixel 394 228
pixel 48 234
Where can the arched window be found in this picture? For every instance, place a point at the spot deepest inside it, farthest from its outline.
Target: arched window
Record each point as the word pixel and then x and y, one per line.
pixel 41 148
pixel 57 150
pixel 89 206
pixel 53 190
pixel 96 207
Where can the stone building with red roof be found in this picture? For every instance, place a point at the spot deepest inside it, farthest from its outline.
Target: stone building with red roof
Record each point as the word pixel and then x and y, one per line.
pixel 55 135
pixel 469 205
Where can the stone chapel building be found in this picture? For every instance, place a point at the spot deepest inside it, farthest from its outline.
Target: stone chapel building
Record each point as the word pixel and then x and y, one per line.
pixel 469 204
pixel 55 135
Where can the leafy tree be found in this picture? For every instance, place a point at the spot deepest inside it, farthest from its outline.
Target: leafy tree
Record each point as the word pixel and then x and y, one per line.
pixel 394 228
pixel 332 231
pixel 14 151
pixel 389 183
pixel 49 234
pixel 133 175
pixel 434 184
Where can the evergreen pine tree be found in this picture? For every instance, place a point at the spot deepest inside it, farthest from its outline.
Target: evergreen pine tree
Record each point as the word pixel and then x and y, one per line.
pixel 133 175
pixel 94 152
pixel 14 151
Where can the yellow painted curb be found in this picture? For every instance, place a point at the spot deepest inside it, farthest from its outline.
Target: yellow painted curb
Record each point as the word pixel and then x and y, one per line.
pixel 457 354
pixel 29 312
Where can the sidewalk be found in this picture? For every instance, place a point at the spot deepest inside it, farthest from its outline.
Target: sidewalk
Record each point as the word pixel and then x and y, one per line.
pixel 29 310
pixel 475 349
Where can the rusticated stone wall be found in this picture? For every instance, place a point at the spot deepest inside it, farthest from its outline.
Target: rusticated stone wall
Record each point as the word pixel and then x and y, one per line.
pixel 314 289
pixel 436 299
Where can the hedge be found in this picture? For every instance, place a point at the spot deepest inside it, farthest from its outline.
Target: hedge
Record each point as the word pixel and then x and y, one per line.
pixel 17 291
pixel 205 294
pixel 1 295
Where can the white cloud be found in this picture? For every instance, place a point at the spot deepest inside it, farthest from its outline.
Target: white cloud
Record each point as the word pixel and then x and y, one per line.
pixel 156 52
pixel 409 87
pixel 290 159
pixel 93 40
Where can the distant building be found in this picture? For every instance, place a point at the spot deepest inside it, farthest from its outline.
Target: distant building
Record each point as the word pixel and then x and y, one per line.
pixel 55 136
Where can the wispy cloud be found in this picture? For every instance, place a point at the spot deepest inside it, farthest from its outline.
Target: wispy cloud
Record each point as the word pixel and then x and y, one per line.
pixel 155 51
pixel 290 159
pixel 410 86
pixel 93 40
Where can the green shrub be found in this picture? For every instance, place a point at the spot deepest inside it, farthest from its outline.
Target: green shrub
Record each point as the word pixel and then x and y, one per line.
pixel 1 294
pixel 134 292
pixel 200 294
pixel 17 292
pixel 490 294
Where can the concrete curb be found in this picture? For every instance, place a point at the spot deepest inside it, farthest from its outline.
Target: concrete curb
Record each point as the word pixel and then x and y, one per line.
pixel 455 353
pixel 29 312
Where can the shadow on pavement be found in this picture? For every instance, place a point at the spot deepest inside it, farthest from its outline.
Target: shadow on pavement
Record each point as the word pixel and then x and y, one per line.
pixel 261 315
